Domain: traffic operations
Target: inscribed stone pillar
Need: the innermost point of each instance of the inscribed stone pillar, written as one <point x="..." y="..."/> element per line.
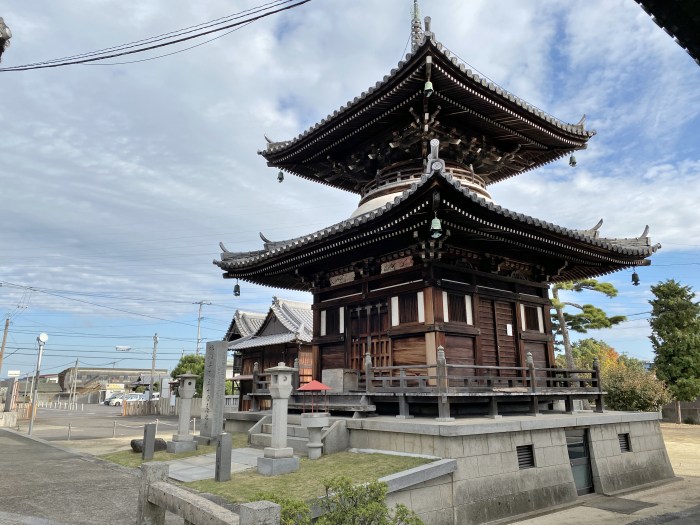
<point x="9" y="395"/>
<point x="213" y="392"/>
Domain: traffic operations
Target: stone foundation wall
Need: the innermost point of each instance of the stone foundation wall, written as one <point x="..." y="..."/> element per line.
<point x="614" y="470"/>
<point x="488" y="483"/>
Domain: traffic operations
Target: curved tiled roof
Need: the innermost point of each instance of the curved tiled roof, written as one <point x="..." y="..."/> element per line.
<point x="296" y="317"/>
<point x="491" y="220"/>
<point x="497" y="111"/>
<point x="247" y="323"/>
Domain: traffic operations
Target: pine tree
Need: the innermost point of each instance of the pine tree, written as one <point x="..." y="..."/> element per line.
<point x="589" y="317"/>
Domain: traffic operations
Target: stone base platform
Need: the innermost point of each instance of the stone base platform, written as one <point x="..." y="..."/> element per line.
<point x="175" y="447"/>
<point x="277" y="466"/>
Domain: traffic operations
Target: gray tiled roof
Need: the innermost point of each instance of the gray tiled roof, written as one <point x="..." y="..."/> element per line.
<point x="640" y="247"/>
<point x="246" y="323"/>
<point x="295" y="316"/>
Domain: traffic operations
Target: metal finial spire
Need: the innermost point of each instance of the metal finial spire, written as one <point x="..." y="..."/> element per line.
<point x="416" y="31"/>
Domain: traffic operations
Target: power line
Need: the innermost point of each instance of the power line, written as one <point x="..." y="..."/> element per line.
<point x="86" y="59"/>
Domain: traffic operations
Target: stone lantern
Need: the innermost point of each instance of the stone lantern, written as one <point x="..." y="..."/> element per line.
<point x="184" y="441"/>
<point x="279" y="458"/>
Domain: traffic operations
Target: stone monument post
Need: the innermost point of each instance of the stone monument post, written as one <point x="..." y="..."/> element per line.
<point x="183" y="440"/>
<point x="279" y="458"/>
<point x="213" y="393"/>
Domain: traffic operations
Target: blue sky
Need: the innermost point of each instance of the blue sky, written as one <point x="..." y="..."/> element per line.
<point x="119" y="181"/>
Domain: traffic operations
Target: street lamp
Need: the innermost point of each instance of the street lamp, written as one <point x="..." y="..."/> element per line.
<point x="41" y="339"/>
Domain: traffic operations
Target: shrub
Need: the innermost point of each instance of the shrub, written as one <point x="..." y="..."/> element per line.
<point x="632" y="389"/>
<point x="294" y="512"/>
<point x="348" y="504"/>
<point x="690" y="420"/>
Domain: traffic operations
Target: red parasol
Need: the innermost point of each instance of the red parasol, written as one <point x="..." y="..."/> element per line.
<point x="315" y="386"/>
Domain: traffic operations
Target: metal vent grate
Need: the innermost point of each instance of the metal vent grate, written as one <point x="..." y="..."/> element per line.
<point x="624" y="442"/>
<point x="526" y="457"/>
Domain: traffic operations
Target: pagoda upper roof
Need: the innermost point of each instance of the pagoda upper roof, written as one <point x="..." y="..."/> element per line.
<point x="564" y="254"/>
<point x="480" y="124"/>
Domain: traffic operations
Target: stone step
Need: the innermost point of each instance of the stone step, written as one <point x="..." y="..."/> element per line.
<point x="292" y="430"/>
<point x="298" y="444"/>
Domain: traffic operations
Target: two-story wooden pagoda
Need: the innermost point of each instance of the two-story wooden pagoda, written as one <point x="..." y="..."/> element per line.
<point x="428" y="260"/>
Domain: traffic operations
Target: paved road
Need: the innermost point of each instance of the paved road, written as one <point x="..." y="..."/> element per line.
<point x="94" y="422"/>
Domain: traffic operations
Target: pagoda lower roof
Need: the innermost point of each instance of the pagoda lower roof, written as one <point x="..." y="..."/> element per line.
<point x="472" y="224"/>
<point x="483" y="124"/>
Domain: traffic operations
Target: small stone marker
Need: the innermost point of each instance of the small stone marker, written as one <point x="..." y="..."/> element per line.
<point x="260" y="513"/>
<point x="149" y="439"/>
<point x="222" y="471"/>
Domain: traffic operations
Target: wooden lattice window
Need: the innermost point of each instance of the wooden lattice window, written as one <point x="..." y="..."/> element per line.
<point x="526" y="456"/>
<point x="332" y="321"/>
<point x="624" y="442"/>
<point x="532" y="317"/>
<point x="407" y="308"/>
<point x="457" y="308"/>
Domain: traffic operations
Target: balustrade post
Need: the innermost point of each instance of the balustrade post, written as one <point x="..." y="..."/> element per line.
<point x="369" y="374"/>
<point x="442" y="386"/>
<point x="599" y="405"/>
<point x="296" y="380"/>
<point x="254" y="403"/>
<point x="534" y="402"/>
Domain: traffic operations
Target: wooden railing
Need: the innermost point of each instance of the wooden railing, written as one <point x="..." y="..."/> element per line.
<point x="443" y="378"/>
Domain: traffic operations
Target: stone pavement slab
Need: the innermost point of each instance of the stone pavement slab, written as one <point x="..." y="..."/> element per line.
<point x="196" y="468"/>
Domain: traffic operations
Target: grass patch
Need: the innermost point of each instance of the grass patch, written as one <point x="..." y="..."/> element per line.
<point x="307" y="483"/>
<point x="129" y="458"/>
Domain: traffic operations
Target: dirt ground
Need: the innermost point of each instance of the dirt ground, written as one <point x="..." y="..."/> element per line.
<point x="683" y="446"/>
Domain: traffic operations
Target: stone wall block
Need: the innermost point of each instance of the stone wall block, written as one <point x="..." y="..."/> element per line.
<point x="466" y="467"/>
<point x="475" y="445"/>
<point x="427" y="445"/>
<point x="528" y="438"/>
<point x="489" y="465"/>
<point x="359" y="439"/>
<point x="500" y="443"/>
<point x="412" y="443"/>
<point x="509" y="461"/>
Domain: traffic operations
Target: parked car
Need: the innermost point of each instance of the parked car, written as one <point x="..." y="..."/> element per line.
<point x="108" y="401"/>
<point x="116" y="400"/>
<point x="134" y="396"/>
<point x="126" y="398"/>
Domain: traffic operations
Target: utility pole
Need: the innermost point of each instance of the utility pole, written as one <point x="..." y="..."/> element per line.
<point x="4" y="340"/>
<point x="199" y="320"/>
<point x="153" y="366"/>
<point x="41" y="340"/>
<point x="71" y="399"/>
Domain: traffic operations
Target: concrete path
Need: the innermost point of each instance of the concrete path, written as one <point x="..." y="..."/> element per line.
<point x="43" y="484"/>
<point x="196" y="468"/>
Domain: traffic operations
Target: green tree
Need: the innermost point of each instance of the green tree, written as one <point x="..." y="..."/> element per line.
<point x="675" y="325"/>
<point x="193" y="364"/>
<point x="589" y="317"/>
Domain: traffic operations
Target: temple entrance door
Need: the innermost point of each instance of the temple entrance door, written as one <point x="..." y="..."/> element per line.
<point x="368" y="332"/>
<point x="580" y="460"/>
<point x="496" y="322"/>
